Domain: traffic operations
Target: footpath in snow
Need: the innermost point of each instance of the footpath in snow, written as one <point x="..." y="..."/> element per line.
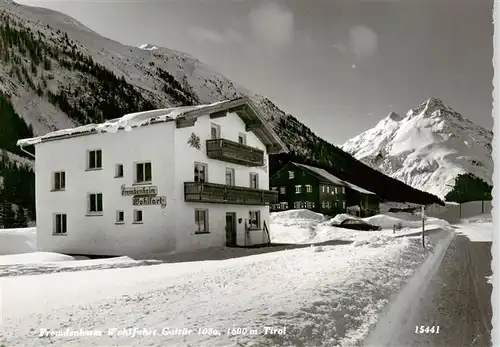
<point x="312" y="296"/>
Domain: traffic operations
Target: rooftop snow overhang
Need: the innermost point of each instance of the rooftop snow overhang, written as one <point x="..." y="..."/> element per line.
<point x="183" y="116"/>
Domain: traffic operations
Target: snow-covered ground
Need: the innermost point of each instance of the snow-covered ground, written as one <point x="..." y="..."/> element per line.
<point x="477" y="229"/>
<point x="322" y="295"/>
<point x="304" y="226"/>
<point x="46" y="262"/>
<point x="14" y="241"/>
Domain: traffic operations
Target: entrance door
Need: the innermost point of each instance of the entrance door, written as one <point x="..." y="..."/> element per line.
<point x="230" y="229"/>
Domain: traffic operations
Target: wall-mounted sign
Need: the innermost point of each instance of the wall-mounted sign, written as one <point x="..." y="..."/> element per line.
<point x="150" y="200"/>
<point x="144" y="190"/>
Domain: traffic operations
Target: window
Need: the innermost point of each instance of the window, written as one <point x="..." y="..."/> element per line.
<point x="298" y="189"/>
<point x="313" y="204"/>
<point x="328" y="205"/>
<point x="242" y="139"/>
<point x="342" y="190"/>
<point x="137" y="216"/>
<point x="296" y="204"/>
<point x="282" y="190"/>
<point x="120" y="216"/>
<point x="291" y="174"/>
<point x="60" y="224"/>
<point x="201" y="220"/>
<point x="254" y="220"/>
<point x="328" y="189"/>
<point x="308" y="204"/>
<point x="323" y="204"/>
<point x="229" y="177"/>
<point x="200" y="172"/>
<point x="118" y="170"/>
<point x="274" y="189"/>
<point x="254" y="181"/>
<point x="95" y="203"/>
<point x="94" y="159"/>
<point x="215" y="131"/>
<point x="343" y="204"/>
<point x="284" y="205"/>
<point x="143" y="172"/>
<point x="59" y="181"/>
<point x="309" y="188"/>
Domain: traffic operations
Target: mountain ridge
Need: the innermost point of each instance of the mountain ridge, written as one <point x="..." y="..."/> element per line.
<point x="433" y="148"/>
<point x="55" y="73"/>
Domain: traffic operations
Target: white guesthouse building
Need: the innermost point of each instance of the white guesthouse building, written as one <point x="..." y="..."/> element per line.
<point x="171" y="180"/>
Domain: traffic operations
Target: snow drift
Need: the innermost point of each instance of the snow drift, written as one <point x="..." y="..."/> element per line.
<point x="306" y="227"/>
<point x="13" y="241"/>
<point x="324" y="296"/>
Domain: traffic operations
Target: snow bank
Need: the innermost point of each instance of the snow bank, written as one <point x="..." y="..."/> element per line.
<point x="340" y="218"/>
<point x="409" y="221"/>
<point x="403" y="305"/>
<point x="296" y="216"/>
<point x="310" y="227"/>
<point x="476" y="232"/>
<point x="323" y="296"/>
<point x="14" y="241"/>
<point x="35" y="257"/>
<point x="47" y="262"/>
<point x="483" y="218"/>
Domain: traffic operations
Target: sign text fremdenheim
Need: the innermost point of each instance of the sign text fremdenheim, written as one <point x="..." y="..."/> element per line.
<point x="144" y="190"/>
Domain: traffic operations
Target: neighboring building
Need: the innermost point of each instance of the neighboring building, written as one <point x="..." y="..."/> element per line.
<point x="302" y="186"/>
<point x="170" y="180"/>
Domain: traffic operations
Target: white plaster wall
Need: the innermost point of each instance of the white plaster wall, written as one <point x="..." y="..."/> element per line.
<point x="231" y="126"/>
<point x="99" y="234"/>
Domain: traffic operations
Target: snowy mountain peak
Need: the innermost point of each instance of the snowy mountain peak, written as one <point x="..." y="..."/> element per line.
<point x="428" y="149"/>
<point x="434" y="102"/>
<point x="428" y="107"/>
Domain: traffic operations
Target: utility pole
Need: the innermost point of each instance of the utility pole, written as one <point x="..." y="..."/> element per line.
<point x="423" y="226"/>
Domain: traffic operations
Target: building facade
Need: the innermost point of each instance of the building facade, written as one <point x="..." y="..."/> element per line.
<point x="162" y="181"/>
<point x="306" y="187"/>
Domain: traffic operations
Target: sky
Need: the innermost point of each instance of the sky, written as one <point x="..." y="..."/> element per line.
<point x="339" y="66"/>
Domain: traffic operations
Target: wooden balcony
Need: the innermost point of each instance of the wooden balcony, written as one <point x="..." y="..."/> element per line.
<point x="222" y="194"/>
<point x="234" y="152"/>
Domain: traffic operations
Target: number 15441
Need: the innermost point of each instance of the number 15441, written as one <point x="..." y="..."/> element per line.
<point x="426" y="329"/>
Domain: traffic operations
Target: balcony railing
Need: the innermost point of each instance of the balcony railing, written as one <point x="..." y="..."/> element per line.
<point x="234" y="152"/>
<point x="223" y="194"/>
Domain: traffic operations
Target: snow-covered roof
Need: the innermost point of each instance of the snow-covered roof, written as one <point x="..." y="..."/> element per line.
<point x="241" y="106"/>
<point x="331" y="178"/>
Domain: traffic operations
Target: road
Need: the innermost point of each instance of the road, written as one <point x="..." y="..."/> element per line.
<point x="456" y="297"/>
